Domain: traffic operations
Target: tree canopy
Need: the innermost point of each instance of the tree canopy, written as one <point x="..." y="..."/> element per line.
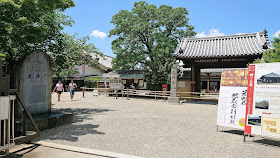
<point x="146" y="37"/>
<point x="271" y="55"/>
<point x="27" y="25"/>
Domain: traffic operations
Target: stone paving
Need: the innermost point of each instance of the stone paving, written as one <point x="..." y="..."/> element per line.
<point x="149" y="128"/>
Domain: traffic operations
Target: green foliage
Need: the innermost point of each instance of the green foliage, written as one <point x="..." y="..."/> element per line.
<point x="74" y="51"/>
<point x="154" y="87"/>
<point x="27" y="25"/>
<point x="146" y="37"/>
<point x="271" y="55"/>
<point x="91" y="82"/>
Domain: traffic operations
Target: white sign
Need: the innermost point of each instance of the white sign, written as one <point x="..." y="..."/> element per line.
<point x="232" y="98"/>
<point x="116" y="83"/>
<point x="263" y="106"/>
<point x="95" y="92"/>
<point x="181" y="84"/>
<point x="135" y="80"/>
<point x="4" y="107"/>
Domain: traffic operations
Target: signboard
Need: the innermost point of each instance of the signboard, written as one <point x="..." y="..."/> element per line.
<point x="4" y="107"/>
<point x="116" y="83"/>
<point x="95" y="92"/>
<point x="263" y="108"/>
<point x="232" y="98"/>
<point x="181" y="84"/>
<point x="270" y="124"/>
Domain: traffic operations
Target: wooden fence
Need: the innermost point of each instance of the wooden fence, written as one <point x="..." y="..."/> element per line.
<point x="154" y="94"/>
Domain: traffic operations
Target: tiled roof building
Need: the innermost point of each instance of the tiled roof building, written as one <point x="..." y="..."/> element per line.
<point x="223" y="46"/>
<point x="234" y="51"/>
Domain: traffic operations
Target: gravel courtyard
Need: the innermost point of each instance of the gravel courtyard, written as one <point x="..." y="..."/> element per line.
<point x="149" y="128"/>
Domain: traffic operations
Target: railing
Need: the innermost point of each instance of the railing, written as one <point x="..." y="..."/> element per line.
<point x="154" y="94"/>
<point x="198" y="95"/>
<point x="7" y="136"/>
<point x="129" y="92"/>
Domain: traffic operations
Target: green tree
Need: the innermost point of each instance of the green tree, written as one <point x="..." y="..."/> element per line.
<point x="27" y="25"/>
<point x="271" y="55"/>
<point x="72" y="51"/>
<point x="146" y="37"/>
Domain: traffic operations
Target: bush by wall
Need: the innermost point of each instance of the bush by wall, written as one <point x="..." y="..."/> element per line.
<point x="91" y="82"/>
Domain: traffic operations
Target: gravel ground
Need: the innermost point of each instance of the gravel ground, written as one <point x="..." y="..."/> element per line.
<point x="149" y="128"/>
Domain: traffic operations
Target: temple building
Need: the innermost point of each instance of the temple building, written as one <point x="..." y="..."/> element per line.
<point x="234" y="51"/>
<point x="270" y="78"/>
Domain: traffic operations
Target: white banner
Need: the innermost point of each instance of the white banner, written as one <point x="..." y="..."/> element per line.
<point x="231" y="107"/>
<point x="232" y="98"/>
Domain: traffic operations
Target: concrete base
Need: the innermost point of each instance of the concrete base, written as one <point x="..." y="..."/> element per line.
<point x="51" y="120"/>
<point x="173" y="100"/>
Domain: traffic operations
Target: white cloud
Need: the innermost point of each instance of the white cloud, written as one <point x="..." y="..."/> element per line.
<point x="200" y="35"/>
<point x="98" y="34"/>
<point x="212" y="32"/>
<point x="277" y="34"/>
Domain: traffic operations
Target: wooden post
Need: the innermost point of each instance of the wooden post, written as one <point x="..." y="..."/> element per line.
<point x="13" y="121"/>
<point x="127" y="94"/>
<point x="196" y="76"/>
<point x="23" y="115"/>
<point x="208" y="82"/>
<point x="1" y="133"/>
<point x="83" y="92"/>
<point x="155" y="95"/>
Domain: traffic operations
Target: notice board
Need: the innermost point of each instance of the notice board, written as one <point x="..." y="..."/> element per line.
<point x="263" y="100"/>
<point x="232" y="98"/>
<point x="4" y="107"/>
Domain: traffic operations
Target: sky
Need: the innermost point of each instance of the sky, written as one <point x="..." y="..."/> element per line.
<point x="209" y="17"/>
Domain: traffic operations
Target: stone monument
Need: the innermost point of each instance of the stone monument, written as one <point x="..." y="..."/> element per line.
<point x="173" y="87"/>
<point x="35" y="82"/>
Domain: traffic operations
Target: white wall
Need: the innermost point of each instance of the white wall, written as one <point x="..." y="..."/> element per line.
<point x="89" y="71"/>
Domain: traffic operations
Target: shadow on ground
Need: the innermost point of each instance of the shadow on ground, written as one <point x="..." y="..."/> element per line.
<point x="201" y="102"/>
<point x="81" y="114"/>
<point x="268" y="142"/>
<point x="238" y="132"/>
<point x="72" y="132"/>
<point x="18" y="154"/>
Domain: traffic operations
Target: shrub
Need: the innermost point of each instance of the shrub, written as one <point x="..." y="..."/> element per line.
<point x="91" y="82"/>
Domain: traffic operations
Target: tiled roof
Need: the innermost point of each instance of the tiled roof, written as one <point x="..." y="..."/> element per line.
<point x="104" y="60"/>
<point x="222" y="46"/>
<point x="272" y="75"/>
<point x="214" y="70"/>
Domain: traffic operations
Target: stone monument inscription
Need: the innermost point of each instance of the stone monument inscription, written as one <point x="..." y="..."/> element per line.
<point x="36" y="82"/>
<point x="173" y="89"/>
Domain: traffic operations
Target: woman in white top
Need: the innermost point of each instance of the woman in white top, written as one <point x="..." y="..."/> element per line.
<point x="59" y="88"/>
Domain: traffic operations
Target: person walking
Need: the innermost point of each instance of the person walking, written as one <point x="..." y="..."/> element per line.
<point x="71" y="89"/>
<point x="59" y="89"/>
